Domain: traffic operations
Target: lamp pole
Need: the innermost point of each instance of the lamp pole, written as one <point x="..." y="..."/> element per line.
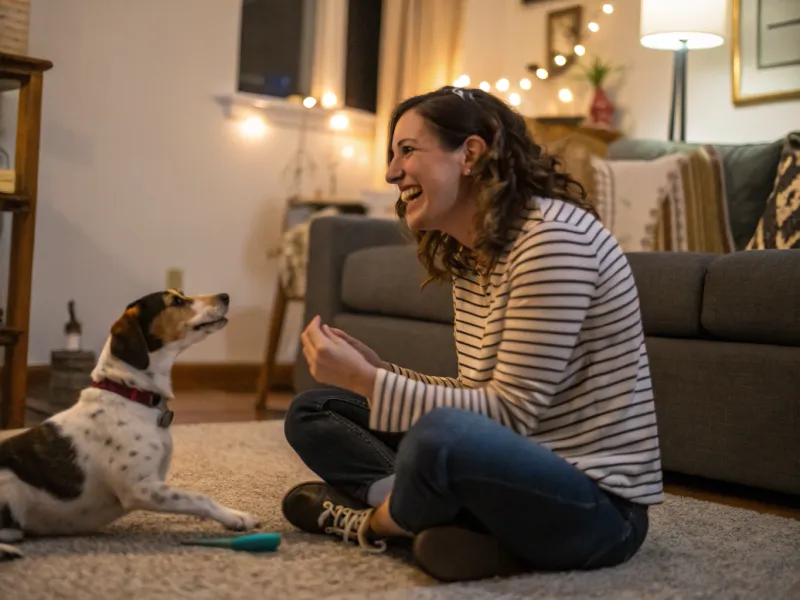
<point x="679" y="81"/>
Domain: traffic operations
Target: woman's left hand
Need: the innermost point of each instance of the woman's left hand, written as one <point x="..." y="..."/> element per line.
<point x="333" y="361"/>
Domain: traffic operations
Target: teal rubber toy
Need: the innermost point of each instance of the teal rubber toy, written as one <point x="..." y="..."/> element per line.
<point x="255" y="542"/>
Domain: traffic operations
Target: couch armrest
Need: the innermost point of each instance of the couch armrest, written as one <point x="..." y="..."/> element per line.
<point x="330" y="241"/>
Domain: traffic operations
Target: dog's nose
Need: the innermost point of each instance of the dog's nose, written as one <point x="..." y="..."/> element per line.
<point x="225" y="299"/>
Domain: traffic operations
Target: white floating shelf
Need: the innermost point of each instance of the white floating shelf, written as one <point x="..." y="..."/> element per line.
<point x="281" y="112"/>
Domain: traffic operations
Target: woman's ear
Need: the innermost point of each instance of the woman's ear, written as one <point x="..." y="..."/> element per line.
<point x="474" y="147"/>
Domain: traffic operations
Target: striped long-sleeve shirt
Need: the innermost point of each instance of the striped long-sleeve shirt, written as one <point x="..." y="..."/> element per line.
<point x="551" y="345"/>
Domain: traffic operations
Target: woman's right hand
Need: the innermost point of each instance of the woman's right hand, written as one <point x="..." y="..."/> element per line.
<point x="368" y="353"/>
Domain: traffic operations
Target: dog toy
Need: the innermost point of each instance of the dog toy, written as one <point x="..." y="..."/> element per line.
<point x="256" y="542"/>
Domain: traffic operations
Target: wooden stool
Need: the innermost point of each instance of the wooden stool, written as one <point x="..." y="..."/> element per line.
<point x="266" y="375"/>
<point x="70" y="374"/>
<point x="281" y="300"/>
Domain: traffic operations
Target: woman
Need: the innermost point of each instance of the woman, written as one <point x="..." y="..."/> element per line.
<point x="544" y="453"/>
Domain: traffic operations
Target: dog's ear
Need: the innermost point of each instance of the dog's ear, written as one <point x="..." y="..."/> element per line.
<point x="127" y="340"/>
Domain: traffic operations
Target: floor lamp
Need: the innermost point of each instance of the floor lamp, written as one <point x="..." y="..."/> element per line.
<point x="680" y="26"/>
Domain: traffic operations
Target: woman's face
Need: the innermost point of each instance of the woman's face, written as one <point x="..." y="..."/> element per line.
<point x="428" y="175"/>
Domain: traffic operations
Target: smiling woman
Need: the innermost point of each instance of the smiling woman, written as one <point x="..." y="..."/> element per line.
<point x="459" y="142"/>
<point x="544" y="452"/>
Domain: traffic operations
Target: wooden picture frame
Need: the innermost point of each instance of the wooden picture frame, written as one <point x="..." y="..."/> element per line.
<point x="765" y="68"/>
<point x="563" y="34"/>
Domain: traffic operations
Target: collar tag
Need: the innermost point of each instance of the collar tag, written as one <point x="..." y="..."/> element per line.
<point x="165" y="419"/>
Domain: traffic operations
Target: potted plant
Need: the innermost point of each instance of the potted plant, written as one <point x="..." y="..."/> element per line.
<point x="602" y="110"/>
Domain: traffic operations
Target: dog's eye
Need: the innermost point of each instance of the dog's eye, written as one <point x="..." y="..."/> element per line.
<point x="178" y="301"/>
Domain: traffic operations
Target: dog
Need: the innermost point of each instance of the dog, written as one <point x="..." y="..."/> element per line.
<point x="109" y="453"/>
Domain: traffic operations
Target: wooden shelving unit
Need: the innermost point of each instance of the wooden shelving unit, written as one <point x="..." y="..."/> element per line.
<point x="547" y="130"/>
<point x="28" y="74"/>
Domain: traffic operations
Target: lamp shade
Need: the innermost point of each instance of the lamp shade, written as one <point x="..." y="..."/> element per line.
<point x="665" y="24"/>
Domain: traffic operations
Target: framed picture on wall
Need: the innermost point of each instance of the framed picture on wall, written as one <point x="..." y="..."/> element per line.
<point x="563" y="34"/>
<point x="766" y="51"/>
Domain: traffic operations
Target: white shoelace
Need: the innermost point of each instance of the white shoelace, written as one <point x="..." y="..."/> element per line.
<point x="349" y="521"/>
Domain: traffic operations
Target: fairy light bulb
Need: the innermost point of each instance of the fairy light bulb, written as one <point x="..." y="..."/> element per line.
<point x="541" y="73"/>
<point x="525" y="83"/>
<point x="565" y="95"/>
<point x="339" y="122"/>
<point x="309" y="102"/>
<point x="594" y="27"/>
<point x="514" y="99"/>
<point x="253" y="127"/>
<point x="329" y="100"/>
<point x="502" y="85"/>
<point x="560" y="60"/>
<point x="462" y="81"/>
<point x="485" y="86"/>
<point x="579" y="50"/>
<point x="608" y="9"/>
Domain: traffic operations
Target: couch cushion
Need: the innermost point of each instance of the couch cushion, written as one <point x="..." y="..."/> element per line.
<point x="670" y="286"/>
<point x="749" y="175"/>
<point x="728" y="410"/>
<point x="386" y="281"/>
<point x="754" y="296"/>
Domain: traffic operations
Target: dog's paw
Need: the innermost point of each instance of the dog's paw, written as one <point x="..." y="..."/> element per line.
<point x="240" y="521"/>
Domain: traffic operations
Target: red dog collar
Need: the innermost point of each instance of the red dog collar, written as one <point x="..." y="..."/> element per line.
<point x="150" y="399"/>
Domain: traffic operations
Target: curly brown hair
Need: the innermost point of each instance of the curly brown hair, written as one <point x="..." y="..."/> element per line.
<point x="512" y="170"/>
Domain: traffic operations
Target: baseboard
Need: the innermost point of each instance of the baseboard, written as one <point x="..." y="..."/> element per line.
<point x="38" y="375"/>
<point x="227" y="377"/>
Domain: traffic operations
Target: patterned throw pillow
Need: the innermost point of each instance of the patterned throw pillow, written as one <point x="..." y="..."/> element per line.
<point x="779" y="226"/>
<point x="673" y="203"/>
<point x="293" y="255"/>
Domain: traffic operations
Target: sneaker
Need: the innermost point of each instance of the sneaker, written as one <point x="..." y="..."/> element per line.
<point x="9" y="553"/>
<point x="315" y="507"/>
<point x="451" y="553"/>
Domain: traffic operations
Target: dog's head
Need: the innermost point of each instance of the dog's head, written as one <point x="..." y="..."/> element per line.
<point x="165" y="321"/>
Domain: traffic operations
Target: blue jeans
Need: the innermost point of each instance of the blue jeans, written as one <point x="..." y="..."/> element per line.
<point x="454" y="467"/>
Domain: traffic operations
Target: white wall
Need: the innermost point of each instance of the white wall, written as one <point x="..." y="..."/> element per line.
<point x="502" y="36"/>
<point x="141" y="172"/>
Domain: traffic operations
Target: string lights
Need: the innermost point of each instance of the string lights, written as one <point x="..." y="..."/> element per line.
<point x="329" y="100"/>
<point x="255" y="126"/>
<point x="514" y="94"/>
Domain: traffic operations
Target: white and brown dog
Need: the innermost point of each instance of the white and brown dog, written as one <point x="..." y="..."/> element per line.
<point x="109" y="454"/>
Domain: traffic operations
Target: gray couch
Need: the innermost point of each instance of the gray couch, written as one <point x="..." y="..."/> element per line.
<point x="722" y="331"/>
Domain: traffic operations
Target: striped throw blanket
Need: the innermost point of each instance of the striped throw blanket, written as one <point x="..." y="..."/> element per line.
<point x="674" y="203"/>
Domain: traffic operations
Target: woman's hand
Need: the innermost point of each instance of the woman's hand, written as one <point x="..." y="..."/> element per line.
<point x="368" y="353"/>
<point x="333" y="361"/>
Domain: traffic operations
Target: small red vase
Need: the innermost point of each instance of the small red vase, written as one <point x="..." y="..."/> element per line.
<point x="602" y="111"/>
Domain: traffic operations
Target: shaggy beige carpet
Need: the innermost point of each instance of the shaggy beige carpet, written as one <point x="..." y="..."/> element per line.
<point x="695" y="549"/>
